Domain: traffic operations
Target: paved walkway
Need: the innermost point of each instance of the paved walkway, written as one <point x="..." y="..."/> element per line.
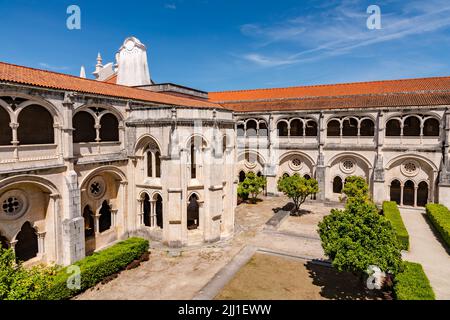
<point x="426" y="249"/>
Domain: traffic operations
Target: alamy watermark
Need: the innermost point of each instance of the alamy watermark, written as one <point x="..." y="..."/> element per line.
<point x="374" y="20"/>
<point x="73" y="22"/>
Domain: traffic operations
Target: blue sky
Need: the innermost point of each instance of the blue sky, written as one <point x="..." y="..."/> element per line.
<point x="236" y="44"/>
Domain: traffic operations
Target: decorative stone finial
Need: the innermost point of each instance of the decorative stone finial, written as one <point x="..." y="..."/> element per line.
<point x="132" y="64"/>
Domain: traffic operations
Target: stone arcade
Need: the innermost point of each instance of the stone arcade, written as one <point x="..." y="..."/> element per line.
<point x="84" y="163"/>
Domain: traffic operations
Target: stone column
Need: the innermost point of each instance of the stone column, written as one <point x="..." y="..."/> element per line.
<point x="97" y="223"/>
<point x="378" y="191"/>
<point x="14" y="126"/>
<point x="152" y="213"/>
<point x="141" y="212"/>
<point x="114" y="217"/>
<point x="321" y="168"/>
<point x="401" y="194"/>
<point x="56" y="225"/>
<point x="41" y="244"/>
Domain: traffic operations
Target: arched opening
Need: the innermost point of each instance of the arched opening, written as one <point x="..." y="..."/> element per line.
<point x="84" y="127"/>
<point x="241" y="176"/>
<point x="89" y="227"/>
<point x="158" y="164"/>
<point x="26" y="247"/>
<point x="282" y="128"/>
<point x="159" y="211"/>
<point x="286" y="175"/>
<point x="193" y="213"/>
<point x="337" y="185"/>
<point x="431" y="128"/>
<point x="109" y="130"/>
<point x="307" y="177"/>
<point x="105" y="217"/>
<point x="240" y="130"/>
<point x="367" y="128"/>
<point x="333" y="128"/>
<point x="393" y="128"/>
<point x="422" y="194"/>
<point x="35" y="126"/>
<point x="146" y="204"/>
<point x="411" y="127"/>
<point x="263" y="131"/>
<point x="350" y="127"/>
<point x="296" y="128"/>
<point x="395" y="191"/>
<point x="5" y="129"/>
<point x="252" y="128"/>
<point x="193" y="162"/>
<point x="311" y="129"/>
<point x="149" y="164"/>
<point x="408" y="193"/>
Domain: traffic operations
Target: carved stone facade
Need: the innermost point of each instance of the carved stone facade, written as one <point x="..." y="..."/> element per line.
<point x="84" y="163"/>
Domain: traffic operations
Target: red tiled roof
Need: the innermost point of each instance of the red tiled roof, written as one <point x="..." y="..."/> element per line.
<point x="347" y="102"/>
<point x="47" y="79"/>
<point x="334" y="90"/>
<point x="402" y="93"/>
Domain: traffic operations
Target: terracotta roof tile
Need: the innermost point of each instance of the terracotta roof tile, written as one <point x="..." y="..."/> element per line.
<point x="53" y="80"/>
<point x="347" y="102"/>
<point x="333" y="90"/>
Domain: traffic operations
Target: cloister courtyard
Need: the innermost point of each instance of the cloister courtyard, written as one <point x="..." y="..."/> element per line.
<point x="266" y="240"/>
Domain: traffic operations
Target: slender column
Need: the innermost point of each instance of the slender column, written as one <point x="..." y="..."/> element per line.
<point x="141" y="212"/>
<point x="97" y="136"/>
<point x="41" y="243"/>
<point x="416" y="187"/>
<point x="153" y="173"/>
<point x="401" y="194"/>
<point x="97" y="223"/>
<point x="14" y="126"/>
<point x="114" y="217"/>
<point x="54" y="197"/>
<point x="152" y="213"/>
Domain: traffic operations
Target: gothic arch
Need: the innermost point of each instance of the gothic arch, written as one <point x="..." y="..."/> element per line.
<point x="303" y="155"/>
<point x="350" y="155"/>
<point x="413" y="157"/>
<point x="142" y="143"/>
<point x="41" y="182"/>
<point x="108" y="169"/>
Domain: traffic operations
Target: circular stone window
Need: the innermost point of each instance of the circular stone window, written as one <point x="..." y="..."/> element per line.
<point x="13" y="204"/>
<point x="295" y="164"/>
<point x="410" y="168"/>
<point x="97" y="187"/>
<point x="348" y="166"/>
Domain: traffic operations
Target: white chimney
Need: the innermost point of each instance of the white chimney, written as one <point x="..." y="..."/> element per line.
<point x="132" y="64"/>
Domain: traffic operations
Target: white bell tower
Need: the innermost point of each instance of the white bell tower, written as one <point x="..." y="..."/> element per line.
<point x="132" y="64"/>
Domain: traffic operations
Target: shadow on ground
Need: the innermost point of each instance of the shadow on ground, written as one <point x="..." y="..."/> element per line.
<point x="341" y="285"/>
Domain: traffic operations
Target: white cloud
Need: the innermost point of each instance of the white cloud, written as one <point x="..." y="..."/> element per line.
<point x="51" y="67"/>
<point x="171" y="6"/>
<point x="341" y="28"/>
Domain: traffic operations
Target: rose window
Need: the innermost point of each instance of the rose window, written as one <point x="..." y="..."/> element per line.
<point x="11" y="206"/>
<point x="97" y="187"/>
<point x="348" y="165"/>
<point x="410" y="167"/>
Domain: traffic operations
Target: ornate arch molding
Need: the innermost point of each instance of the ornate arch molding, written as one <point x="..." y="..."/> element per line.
<point x="187" y="142"/>
<point x="108" y="109"/>
<point x="104" y="169"/>
<point x="143" y="141"/>
<point x="241" y="155"/>
<point x="199" y="197"/>
<point x="30" y="100"/>
<point x="416" y="157"/>
<point x="401" y="117"/>
<point x="288" y="154"/>
<point x="350" y="155"/>
<point x="41" y="182"/>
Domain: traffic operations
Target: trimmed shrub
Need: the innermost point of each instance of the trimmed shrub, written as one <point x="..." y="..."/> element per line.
<point x="413" y="284"/>
<point x="439" y="216"/>
<point x="97" y="267"/>
<point x="391" y="212"/>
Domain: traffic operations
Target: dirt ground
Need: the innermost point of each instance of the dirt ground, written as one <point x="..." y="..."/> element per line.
<point x="270" y="277"/>
<point x="183" y="276"/>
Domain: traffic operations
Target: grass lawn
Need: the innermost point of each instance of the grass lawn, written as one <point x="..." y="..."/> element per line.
<point x="272" y="277"/>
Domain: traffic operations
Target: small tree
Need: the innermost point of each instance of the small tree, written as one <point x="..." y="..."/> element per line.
<point x="358" y="236"/>
<point x="356" y="189"/>
<point x="251" y="187"/>
<point x="298" y="189"/>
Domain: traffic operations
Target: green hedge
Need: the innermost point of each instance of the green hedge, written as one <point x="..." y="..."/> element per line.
<point x="439" y="216"/>
<point x="97" y="267"/>
<point x="391" y="212"/>
<point x="413" y="284"/>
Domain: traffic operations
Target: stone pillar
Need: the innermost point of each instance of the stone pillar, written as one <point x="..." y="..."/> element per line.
<point x="114" y="217"/>
<point x="14" y="126"/>
<point x="97" y="224"/>
<point x="141" y="212"/>
<point x="152" y="213"/>
<point x="41" y="244"/>
<point x="56" y="226"/>
<point x="378" y="189"/>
